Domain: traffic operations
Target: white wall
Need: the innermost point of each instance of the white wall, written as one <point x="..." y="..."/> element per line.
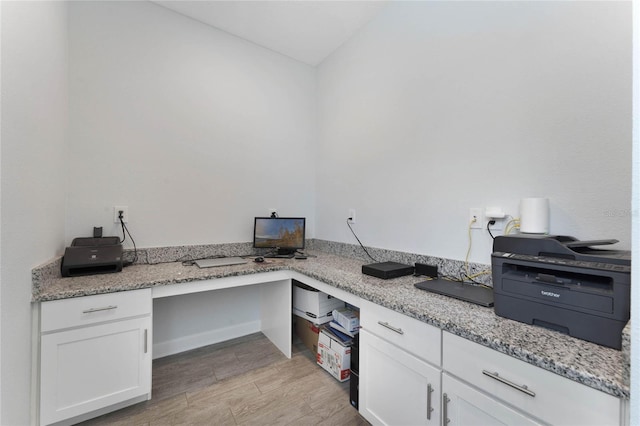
<point x="34" y="127"/>
<point x="436" y="107"/>
<point x="196" y="131"/>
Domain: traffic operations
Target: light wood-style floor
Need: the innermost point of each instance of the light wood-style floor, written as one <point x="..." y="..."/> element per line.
<point x="245" y="381"/>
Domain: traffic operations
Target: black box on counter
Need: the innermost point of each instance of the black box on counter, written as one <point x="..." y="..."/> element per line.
<point x="387" y="270"/>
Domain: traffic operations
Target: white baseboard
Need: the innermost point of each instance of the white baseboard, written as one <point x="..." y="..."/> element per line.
<point x="194" y="341"/>
<point x="101" y="411"/>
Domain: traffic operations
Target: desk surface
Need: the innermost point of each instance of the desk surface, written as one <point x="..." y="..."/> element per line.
<point x="602" y="368"/>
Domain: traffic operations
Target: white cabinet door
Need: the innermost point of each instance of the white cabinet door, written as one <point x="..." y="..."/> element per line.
<point x="463" y="405"/>
<point x="92" y="367"/>
<point x="396" y="388"/>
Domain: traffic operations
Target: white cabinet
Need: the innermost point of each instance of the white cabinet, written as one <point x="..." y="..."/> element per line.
<point x="414" y="374"/>
<point x="509" y="382"/>
<point x="396" y="388"/>
<point x="95" y="352"/>
<point x="397" y="384"/>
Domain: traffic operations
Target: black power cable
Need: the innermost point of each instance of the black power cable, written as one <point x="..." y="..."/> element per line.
<point x="361" y="245"/>
<point x="491" y="222"/>
<point x="124" y="237"/>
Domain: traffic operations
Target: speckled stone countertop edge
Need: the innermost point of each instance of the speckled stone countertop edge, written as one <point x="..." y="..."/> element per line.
<point x="343" y="279"/>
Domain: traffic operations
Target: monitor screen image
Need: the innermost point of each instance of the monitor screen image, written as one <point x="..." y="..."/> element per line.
<point x="283" y="233"/>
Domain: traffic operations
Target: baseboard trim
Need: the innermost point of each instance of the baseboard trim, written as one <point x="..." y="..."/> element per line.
<point x="194" y="341"/>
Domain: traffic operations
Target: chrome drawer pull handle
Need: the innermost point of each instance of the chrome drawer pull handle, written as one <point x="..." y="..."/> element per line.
<point x="106" y="308"/>
<point x="429" y="407"/>
<point x="445" y="407"/>
<point x="390" y="327"/>
<point x="146" y="340"/>
<point x="497" y="377"/>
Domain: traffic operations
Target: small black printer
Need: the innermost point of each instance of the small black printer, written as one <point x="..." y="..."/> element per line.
<point x="564" y="284"/>
<point x="90" y="256"/>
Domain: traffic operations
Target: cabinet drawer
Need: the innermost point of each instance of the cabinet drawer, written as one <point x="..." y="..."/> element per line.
<point x="80" y="311"/>
<point x="540" y="393"/>
<point x="416" y="337"/>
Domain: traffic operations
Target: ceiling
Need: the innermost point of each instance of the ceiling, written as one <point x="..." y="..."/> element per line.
<point x="307" y="31"/>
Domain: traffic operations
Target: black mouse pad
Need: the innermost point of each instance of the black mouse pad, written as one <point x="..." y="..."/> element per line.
<point x="469" y="293"/>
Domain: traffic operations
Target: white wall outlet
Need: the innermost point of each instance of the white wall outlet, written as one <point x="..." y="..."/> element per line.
<point x="475" y="218"/>
<point x="116" y="214"/>
<point x="351" y="215"/>
<point x="494" y="213"/>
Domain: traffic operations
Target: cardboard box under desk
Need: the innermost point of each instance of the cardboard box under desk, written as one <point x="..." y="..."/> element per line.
<point x="313" y="305"/>
<point x="308" y="332"/>
<point x="334" y="357"/>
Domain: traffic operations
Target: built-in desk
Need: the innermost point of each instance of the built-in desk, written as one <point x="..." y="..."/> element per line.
<point x="601" y="368"/>
<point x="275" y="301"/>
<point x="96" y="346"/>
<point x="274" y="305"/>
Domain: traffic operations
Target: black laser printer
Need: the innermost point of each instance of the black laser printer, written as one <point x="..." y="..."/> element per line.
<point x="564" y="284"/>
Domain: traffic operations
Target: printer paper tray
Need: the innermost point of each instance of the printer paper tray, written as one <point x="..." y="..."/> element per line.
<point x="559" y="295"/>
<point x="603" y="331"/>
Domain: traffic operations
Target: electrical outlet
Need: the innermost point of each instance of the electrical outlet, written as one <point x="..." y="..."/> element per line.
<point x="475" y="218"/>
<point x="352" y="215"/>
<point x="116" y="214"/>
<point x="494" y="213"/>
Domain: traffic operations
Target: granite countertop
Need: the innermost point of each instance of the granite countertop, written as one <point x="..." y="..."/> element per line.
<point x="593" y="365"/>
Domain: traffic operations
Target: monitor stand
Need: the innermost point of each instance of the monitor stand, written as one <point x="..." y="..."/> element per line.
<point x="282" y="253"/>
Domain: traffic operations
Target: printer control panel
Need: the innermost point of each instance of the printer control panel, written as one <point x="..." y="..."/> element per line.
<point x="565" y="262"/>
